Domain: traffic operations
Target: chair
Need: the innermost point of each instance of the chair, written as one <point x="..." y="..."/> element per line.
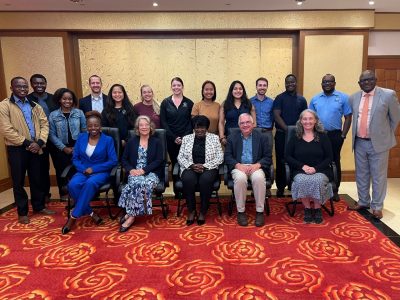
<point x="291" y="206"/>
<point x="164" y="182"/>
<point x="113" y="183"/>
<point x="228" y="180"/>
<point x="179" y="189"/>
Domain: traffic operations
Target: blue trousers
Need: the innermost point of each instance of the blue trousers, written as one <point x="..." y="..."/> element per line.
<point x="83" y="188"/>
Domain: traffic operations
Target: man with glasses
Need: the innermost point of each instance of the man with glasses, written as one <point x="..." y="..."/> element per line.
<point x="24" y="126"/>
<point x="376" y="115"/>
<point x="248" y="156"/>
<point x="331" y="106"/>
<point x="287" y="108"/>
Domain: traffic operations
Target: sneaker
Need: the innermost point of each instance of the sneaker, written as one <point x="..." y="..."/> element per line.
<point x="46" y="211"/>
<point x="308" y="218"/>
<point x="318" y="216"/>
<point x="260" y="220"/>
<point x="242" y="219"/>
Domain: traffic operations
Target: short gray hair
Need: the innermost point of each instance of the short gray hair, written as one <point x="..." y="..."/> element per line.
<point x="147" y="119"/>
<point x="245" y="114"/>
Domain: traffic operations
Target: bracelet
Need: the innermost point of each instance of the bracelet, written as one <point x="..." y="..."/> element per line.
<point x="224" y="137"/>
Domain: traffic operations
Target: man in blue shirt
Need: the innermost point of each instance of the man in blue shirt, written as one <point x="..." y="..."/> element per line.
<point x="287" y="108"/>
<point x="263" y="106"/>
<point x="331" y="106"/>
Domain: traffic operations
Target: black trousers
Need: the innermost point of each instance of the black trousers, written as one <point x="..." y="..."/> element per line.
<point x="60" y="160"/>
<point x="45" y="169"/>
<point x="22" y="161"/>
<point x="173" y="151"/>
<point x="280" y="159"/>
<point x="335" y="136"/>
<point x="204" y="182"/>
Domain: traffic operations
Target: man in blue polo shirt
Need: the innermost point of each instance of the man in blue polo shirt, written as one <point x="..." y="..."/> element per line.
<point x="331" y="106"/>
<point x="287" y="108"/>
<point x="263" y="106"/>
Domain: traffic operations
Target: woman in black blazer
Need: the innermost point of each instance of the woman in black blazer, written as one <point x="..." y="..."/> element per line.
<point x="143" y="161"/>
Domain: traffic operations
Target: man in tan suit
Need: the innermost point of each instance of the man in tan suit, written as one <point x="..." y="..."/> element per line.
<point x="376" y="114"/>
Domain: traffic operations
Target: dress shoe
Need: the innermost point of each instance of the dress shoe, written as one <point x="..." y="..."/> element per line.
<point x="23" y="220"/>
<point x="68" y="226"/>
<point x="123" y="228"/>
<point x="96" y="218"/>
<point x="46" y="211"/>
<point x="190" y="218"/>
<point x="242" y="219"/>
<point x="280" y="193"/>
<point x="201" y="219"/>
<point x="308" y="217"/>
<point x="318" y="216"/>
<point x="377" y="214"/>
<point x="260" y="219"/>
<point x="357" y="207"/>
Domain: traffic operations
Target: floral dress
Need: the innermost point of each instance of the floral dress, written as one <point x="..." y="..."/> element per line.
<point x="136" y="195"/>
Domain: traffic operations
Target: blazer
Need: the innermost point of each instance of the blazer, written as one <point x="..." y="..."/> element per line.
<point x="155" y="157"/>
<point x="214" y="154"/>
<point x="385" y="116"/>
<point x="85" y="103"/>
<point x="261" y="150"/>
<point x="103" y="158"/>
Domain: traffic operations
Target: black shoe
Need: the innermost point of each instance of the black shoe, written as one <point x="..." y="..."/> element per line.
<point x="68" y="226"/>
<point x="190" y="218"/>
<point x="122" y="228"/>
<point x="318" y="216"/>
<point x="260" y="219"/>
<point x="122" y="219"/>
<point x="242" y="219"/>
<point x="308" y="217"/>
<point x="96" y="219"/>
<point x="336" y="197"/>
<point x="280" y="193"/>
<point x="201" y="219"/>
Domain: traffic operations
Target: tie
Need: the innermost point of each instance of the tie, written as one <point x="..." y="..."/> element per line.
<point x="364" y="117"/>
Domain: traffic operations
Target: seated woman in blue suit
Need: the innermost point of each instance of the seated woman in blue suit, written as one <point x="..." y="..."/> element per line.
<point x="94" y="157"/>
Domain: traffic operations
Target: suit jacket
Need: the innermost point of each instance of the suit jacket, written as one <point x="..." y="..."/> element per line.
<point x="214" y="154"/>
<point x="385" y="116"/>
<point x="155" y="157"/>
<point x="103" y="158"/>
<point x="85" y="104"/>
<point x="261" y="150"/>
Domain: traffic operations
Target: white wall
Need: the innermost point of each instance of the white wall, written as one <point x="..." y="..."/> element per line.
<point x="384" y="43"/>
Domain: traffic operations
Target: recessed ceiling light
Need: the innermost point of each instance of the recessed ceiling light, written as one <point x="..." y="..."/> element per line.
<point x="155" y="4"/>
<point x="300" y="2"/>
<point x="371" y="2"/>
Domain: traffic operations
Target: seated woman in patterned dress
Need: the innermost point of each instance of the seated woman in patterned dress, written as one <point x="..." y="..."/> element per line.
<point x="143" y="161"/>
<point x="309" y="155"/>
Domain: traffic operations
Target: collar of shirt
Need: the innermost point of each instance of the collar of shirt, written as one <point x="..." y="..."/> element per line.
<point x="256" y="98"/>
<point x="100" y="97"/>
<point x="244" y="138"/>
<point x="16" y="99"/>
<point x="371" y="93"/>
<point x="334" y="93"/>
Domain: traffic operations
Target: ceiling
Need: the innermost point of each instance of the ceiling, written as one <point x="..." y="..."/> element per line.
<point x="194" y="5"/>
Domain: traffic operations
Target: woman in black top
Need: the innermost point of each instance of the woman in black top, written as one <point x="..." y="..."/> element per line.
<point x="119" y="112"/>
<point x="175" y="114"/>
<point x="309" y="154"/>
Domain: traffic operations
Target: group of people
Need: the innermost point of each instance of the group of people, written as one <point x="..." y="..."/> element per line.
<point x="39" y="124"/>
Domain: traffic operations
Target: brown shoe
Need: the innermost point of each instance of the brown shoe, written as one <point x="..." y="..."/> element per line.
<point x="377" y="214"/>
<point x="23" y="220"/>
<point x="46" y="211"/>
<point x="357" y="207"/>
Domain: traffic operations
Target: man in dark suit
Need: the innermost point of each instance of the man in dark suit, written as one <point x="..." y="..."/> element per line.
<point x="96" y="100"/>
<point x="376" y="114"/>
<point x="248" y="155"/>
<point x="45" y="100"/>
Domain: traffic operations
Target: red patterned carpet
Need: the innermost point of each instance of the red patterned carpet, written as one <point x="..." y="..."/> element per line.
<point x="344" y="258"/>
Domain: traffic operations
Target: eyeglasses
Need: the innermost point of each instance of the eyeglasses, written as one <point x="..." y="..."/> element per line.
<point x="371" y="79"/>
<point x="328" y="81"/>
<point x="21" y="87"/>
<point x="245" y="123"/>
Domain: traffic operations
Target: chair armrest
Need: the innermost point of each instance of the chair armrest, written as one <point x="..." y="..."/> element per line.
<point x="221" y="170"/>
<point x="166" y="174"/>
<point x="271" y="173"/>
<point x="176" y="170"/>
<point x="68" y="172"/>
<point x="287" y="171"/>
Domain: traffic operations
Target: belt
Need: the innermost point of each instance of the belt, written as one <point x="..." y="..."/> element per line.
<point x="365" y="139"/>
<point x="266" y="129"/>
